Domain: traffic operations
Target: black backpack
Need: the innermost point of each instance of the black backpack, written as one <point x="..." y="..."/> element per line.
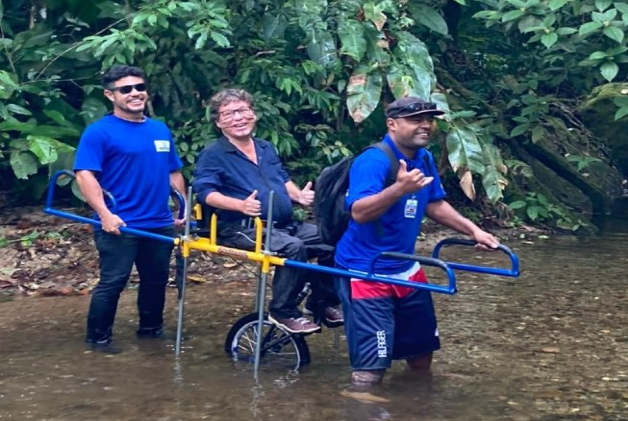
<point x="331" y="189"/>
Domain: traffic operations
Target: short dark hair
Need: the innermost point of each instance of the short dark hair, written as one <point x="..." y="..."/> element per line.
<point x="226" y="96"/>
<point x="119" y="71"/>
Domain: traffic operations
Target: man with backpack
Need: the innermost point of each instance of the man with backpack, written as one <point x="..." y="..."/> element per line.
<point x="235" y="176"/>
<point x="385" y="322"/>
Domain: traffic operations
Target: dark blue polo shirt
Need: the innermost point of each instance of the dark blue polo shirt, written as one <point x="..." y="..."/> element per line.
<point x="222" y="168"/>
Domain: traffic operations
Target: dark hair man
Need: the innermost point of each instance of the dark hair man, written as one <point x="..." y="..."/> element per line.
<point x="134" y="158"/>
<point x="236" y="175"/>
<point x="385" y="322"/>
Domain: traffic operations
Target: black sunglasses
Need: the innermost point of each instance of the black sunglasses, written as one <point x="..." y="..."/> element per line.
<point x="127" y="89"/>
<point x="411" y="109"/>
<point x="418" y="106"/>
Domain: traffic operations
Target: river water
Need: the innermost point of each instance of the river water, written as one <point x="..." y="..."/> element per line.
<point x="549" y="345"/>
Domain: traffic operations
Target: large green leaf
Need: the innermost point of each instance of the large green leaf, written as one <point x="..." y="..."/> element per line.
<point x="589" y="27"/>
<point x="363" y="92"/>
<point x="273" y="26"/>
<point x="622" y="7"/>
<point x="465" y="150"/>
<point x="549" y="39"/>
<point x="18" y="109"/>
<point x="43" y="149"/>
<point x="400" y="84"/>
<point x="557" y="4"/>
<point x="23" y="164"/>
<point x="92" y="110"/>
<point x="602" y="5"/>
<point x="614" y="33"/>
<point x="220" y="39"/>
<point x="373" y="12"/>
<point x="322" y="50"/>
<point x="512" y="15"/>
<point x="609" y="70"/>
<point x="377" y="46"/>
<point x="429" y="17"/>
<point x="352" y="39"/>
<point x="493" y="179"/>
<point x="60" y="119"/>
<point x="7" y="84"/>
<point x="441" y="101"/>
<point x="415" y="60"/>
<point x="32" y="128"/>
<point x="622" y="112"/>
<point x="47" y="149"/>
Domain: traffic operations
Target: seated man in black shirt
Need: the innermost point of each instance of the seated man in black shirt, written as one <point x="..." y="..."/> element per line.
<point x="235" y="175"/>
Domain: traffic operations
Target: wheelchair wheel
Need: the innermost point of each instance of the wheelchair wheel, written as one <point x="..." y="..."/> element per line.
<point x="279" y="348"/>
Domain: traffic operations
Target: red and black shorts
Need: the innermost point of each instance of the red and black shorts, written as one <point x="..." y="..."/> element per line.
<point x="385" y="322"/>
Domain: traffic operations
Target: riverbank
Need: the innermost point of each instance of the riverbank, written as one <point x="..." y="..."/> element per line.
<point x="41" y="255"/>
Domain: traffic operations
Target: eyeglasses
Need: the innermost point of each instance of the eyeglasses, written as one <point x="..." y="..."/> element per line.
<point x="127" y="89"/>
<point x="230" y="114"/>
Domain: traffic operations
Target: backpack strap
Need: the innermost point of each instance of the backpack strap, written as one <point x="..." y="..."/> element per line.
<point x="392" y="174"/>
<point x="428" y="163"/>
<point x="394" y="162"/>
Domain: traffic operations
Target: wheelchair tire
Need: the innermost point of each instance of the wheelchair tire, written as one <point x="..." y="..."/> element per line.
<point x="280" y="348"/>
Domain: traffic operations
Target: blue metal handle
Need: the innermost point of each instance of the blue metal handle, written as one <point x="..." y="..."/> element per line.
<point x="450" y="289"/>
<point x="179" y="197"/>
<point x="427" y="261"/>
<point x="53" y="184"/>
<point x="49" y="210"/>
<point x="514" y="259"/>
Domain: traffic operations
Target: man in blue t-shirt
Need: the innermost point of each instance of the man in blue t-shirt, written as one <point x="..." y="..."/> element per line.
<point x="235" y="176"/>
<point x="385" y="322"/>
<point x="134" y="158"/>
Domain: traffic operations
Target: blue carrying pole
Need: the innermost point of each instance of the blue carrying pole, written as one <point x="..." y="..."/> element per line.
<point x="96" y="223"/>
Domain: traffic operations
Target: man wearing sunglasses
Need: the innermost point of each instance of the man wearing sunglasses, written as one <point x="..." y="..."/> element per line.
<point x="134" y="158"/>
<point x="235" y="175"/>
<point x="385" y="322"/>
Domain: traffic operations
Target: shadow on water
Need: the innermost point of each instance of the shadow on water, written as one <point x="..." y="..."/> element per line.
<point x="550" y="345"/>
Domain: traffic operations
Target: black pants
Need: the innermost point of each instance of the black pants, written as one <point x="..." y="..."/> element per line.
<point x="117" y="254"/>
<point x="300" y="242"/>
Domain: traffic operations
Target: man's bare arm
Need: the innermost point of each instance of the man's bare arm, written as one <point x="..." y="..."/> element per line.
<point x="444" y="214"/>
<point x="178" y="183"/>
<point x="93" y="193"/>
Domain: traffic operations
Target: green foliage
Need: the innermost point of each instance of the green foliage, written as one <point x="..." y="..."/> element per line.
<point x="538" y="209"/>
<point x="321" y="72"/>
<point x="582" y="162"/>
<point x="577" y="36"/>
<point x="622" y="105"/>
<point x="317" y="69"/>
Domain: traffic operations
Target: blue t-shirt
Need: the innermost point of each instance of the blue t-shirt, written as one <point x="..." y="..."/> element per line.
<point x="394" y="230"/>
<point x="133" y="162"/>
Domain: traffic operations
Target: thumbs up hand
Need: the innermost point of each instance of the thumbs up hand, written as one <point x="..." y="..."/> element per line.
<point x="251" y="206"/>
<point x="306" y="197"/>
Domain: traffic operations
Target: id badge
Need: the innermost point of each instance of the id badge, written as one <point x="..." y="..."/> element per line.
<point x="410" y="209"/>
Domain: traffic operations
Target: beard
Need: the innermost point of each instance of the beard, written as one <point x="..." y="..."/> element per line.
<point x="132" y="110"/>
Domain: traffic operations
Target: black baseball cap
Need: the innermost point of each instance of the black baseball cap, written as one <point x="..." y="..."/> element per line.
<point x="411" y="105"/>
